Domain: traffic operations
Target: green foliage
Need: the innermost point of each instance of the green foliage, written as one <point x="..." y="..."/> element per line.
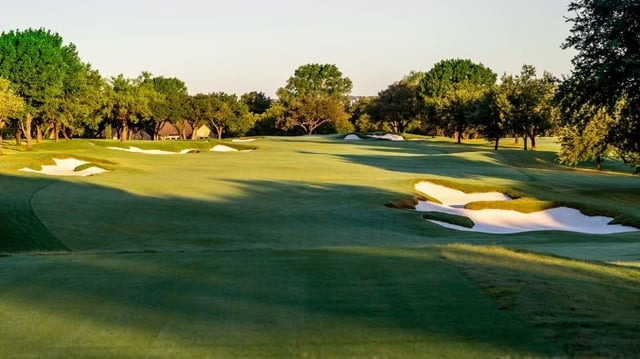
<point x="587" y="141"/>
<point x="257" y="102"/>
<point x="491" y="115"/>
<point x="398" y="106"/>
<point x="10" y="103"/>
<point x="606" y="69"/>
<point x="316" y="80"/>
<point x="454" y="219"/>
<point x="310" y="112"/>
<point x="529" y="103"/>
<point x="224" y="113"/>
<point x="34" y="62"/>
<point x="445" y="74"/>
<point x="450" y="92"/>
<point x="131" y="101"/>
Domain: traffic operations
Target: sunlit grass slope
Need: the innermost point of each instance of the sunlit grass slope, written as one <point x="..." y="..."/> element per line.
<point x="290" y="251"/>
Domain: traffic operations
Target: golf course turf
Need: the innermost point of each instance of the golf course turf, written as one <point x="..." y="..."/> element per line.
<point x="289" y="251"/>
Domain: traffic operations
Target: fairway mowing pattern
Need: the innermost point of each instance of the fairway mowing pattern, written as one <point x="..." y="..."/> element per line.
<point x="20" y="229"/>
<point x="337" y="302"/>
<point x="289" y="251"/>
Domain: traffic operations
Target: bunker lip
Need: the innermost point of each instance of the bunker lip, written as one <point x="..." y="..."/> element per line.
<point x="66" y="167"/>
<point x="150" y="152"/>
<point x="498" y="221"/>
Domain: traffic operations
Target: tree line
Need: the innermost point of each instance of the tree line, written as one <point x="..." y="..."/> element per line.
<point x="47" y="91"/>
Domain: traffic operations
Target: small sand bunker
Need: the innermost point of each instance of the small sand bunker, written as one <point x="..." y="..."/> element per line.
<point x="223" y="148"/>
<point x="388" y="136"/>
<point x="352" y="137"/>
<point x="500" y="221"/>
<point x="151" y="152"/>
<point x="243" y="140"/>
<point x="66" y="167"/>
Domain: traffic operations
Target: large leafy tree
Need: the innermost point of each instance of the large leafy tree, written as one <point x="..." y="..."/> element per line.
<point x="606" y="72"/>
<point x="491" y="115"/>
<point x="457" y="107"/>
<point x="257" y="102"/>
<point x="314" y="96"/>
<point x="444" y="75"/>
<point x="170" y="102"/>
<point x="10" y="105"/>
<point x="531" y="110"/>
<point x="316" y="80"/>
<point x="223" y="112"/>
<point x="310" y="112"/>
<point x="399" y="105"/>
<point x="586" y="141"/>
<point x="449" y="91"/>
<point x="83" y="102"/>
<point x="131" y="102"/>
<point x="34" y="61"/>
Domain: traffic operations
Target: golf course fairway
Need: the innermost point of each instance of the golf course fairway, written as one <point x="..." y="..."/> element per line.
<point x="307" y="247"/>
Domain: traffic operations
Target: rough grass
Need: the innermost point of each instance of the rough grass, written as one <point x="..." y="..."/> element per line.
<point x="449" y="218"/>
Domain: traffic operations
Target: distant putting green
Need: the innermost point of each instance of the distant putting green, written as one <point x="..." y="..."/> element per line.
<point x="289" y="251"/>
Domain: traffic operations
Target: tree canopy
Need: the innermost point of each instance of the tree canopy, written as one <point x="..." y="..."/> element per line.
<point x="316" y="80"/>
<point x="34" y="62"/>
<point x="10" y="104"/>
<point x="606" y="69"/>
<point x="446" y="73"/>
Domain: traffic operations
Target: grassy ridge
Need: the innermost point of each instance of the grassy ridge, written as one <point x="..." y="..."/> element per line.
<point x="588" y="308"/>
<point x="21" y="230"/>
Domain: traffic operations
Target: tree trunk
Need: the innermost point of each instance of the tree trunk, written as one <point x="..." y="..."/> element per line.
<point x="524" y="140"/>
<point x="599" y="163"/>
<point x="27" y="131"/>
<point x="533" y="140"/>
<point x="38" y="134"/>
<point x="515" y="138"/>
<point x="496" y="145"/>
<point x="219" y="131"/>
<point x="18" y="136"/>
<point x="123" y="132"/>
<point x="56" y="130"/>
<point x="1" y="127"/>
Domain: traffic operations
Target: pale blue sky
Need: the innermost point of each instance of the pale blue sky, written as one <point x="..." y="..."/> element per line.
<point x="245" y="45"/>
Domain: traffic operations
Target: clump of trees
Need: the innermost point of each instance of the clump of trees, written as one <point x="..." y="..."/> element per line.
<point x="46" y="90"/>
<point x="600" y="100"/>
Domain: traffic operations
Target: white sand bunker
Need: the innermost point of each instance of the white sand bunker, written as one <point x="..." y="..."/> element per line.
<point x="243" y="140"/>
<point x="223" y="148"/>
<point x="388" y="136"/>
<point x="151" y="152"/>
<point x="500" y="221"/>
<point x="352" y="137"/>
<point x="66" y="167"/>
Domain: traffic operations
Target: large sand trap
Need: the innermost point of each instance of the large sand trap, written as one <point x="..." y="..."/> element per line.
<point x="151" y="152"/>
<point x="508" y="221"/>
<point x="352" y="137"/>
<point x="66" y="167"/>
<point x="388" y="136"/>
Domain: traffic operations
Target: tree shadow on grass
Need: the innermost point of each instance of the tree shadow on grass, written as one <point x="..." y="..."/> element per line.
<point x="331" y="302"/>
<point x="277" y="269"/>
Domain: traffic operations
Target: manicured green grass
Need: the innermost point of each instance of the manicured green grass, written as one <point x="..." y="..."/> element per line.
<point x="449" y="218"/>
<point x="290" y="251"/>
<point x="589" y="309"/>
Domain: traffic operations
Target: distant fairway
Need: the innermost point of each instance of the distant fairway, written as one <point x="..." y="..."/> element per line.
<point x="290" y="251"/>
